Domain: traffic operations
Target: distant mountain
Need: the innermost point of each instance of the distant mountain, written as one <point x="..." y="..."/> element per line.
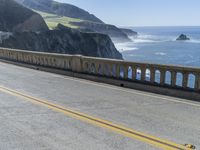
<point x="116" y="34"/>
<point x="16" y="18"/>
<point x="72" y="16"/>
<point x="61" y="9"/>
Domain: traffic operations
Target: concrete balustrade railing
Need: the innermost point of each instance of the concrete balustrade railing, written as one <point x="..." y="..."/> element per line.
<point x="161" y="75"/>
<point x="146" y="72"/>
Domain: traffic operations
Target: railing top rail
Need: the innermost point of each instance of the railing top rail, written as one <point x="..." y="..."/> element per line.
<point x="144" y="64"/>
<point x="36" y="52"/>
<point x="114" y="61"/>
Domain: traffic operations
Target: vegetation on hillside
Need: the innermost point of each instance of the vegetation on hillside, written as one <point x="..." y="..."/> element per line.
<point x="53" y="20"/>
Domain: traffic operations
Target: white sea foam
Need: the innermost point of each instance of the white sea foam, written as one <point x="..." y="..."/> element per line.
<point x="128" y="46"/>
<point x="160" y="53"/>
<point x="146" y="38"/>
<point x="144" y="41"/>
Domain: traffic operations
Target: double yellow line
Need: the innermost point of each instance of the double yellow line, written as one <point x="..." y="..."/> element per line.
<point x="157" y="142"/>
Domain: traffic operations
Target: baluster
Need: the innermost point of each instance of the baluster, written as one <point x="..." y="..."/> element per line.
<point x="96" y="68"/>
<point x="134" y="72"/>
<point x="143" y="73"/>
<point x="162" y="77"/>
<point x="173" y="78"/>
<point x="185" y="80"/>
<point x="118" y="70"/>
<point x="125" y="71"/>
<point x="104" y="69"/>
<point x="90" y="67"/>
<point x="152" y="76"/>
<point x="109" y="70"/>
<point x="197" y="82"/>
<point x="113" y="70"/>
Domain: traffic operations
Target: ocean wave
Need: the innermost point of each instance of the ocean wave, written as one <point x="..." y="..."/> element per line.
<point x="147" y="38"/>
<point x="144" y="41"/>
<point x="121" y="47"/>
<point x="160" y="53"/>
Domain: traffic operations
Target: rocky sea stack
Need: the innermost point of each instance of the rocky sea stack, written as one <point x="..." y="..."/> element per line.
<point x="183" y="37"/>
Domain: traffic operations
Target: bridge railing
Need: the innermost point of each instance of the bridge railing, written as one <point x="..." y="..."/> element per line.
<point x="161" y="75"/>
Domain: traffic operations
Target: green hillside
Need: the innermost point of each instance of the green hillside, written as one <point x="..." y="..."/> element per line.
<point x="53" y="20"/>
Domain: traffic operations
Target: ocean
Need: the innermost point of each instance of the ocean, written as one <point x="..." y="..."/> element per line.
<point x="159" y="45"/>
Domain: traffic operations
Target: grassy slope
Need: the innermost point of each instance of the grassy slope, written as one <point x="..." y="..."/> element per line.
<point x="52" y="20"/>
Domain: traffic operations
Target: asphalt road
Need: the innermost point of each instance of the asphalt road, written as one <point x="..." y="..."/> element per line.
<point x="28" y="125"/>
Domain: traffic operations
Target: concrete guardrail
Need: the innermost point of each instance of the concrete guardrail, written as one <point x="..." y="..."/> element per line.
<point x="169" y="76"/>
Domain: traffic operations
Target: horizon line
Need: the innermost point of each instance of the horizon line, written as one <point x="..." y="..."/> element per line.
<point x="161" y="26"/>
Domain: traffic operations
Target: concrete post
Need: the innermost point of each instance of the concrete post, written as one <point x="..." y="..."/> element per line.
<point x="143" y="73"/>
<point x="173" y="78"/>
<point x="77" y="65"/>
<point x="197" y="82"/>
<point x="185" y="80"/>
<point x="162" y="77"/>
<point x="105" y="69"/>
<point x="117" y="70"/>
<point x="96" y="68"/>
<point x="125" y="71"/>
<point x="111" y="66"/>
<point x="152" y="75"/>
<point x="134" y="72"/>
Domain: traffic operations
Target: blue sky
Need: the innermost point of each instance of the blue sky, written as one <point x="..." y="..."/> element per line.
<point x="143" y="12"/>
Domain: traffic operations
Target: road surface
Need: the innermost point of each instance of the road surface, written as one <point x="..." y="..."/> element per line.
<point x="46" y="111"/>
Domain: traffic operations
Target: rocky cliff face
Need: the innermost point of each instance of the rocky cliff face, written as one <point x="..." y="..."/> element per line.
<point x="16" y="18"/>
<point x="50" y="6"/>
<point x="115" y="33"/>
<point x="64" y="40"/>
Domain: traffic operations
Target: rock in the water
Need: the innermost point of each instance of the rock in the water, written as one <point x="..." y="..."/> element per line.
<point x="182" y="37"/>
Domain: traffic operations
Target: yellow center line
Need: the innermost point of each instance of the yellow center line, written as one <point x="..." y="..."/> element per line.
<point x="157" y="142"/>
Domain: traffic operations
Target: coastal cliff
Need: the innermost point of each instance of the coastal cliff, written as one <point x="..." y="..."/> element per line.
<point x="64" y="40"/>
